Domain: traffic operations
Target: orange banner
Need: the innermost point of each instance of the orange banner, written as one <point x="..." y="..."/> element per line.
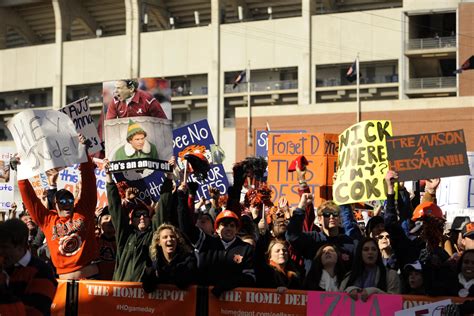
<point x="129" y="298"/>
<point x="248" y="301"/>
<point x="321" y="152"/>
<point x="58" y="307"/>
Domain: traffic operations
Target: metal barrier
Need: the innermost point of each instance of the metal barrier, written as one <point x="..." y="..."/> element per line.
<point x="262" y="86"/>
<point x="432" y="83"/>
<point x="432" y="43"/>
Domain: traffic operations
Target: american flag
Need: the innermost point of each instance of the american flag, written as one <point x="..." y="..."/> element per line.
<point x="240" y="78"/>
<point x="351" y="74"/>
<point x="468" y="64"/>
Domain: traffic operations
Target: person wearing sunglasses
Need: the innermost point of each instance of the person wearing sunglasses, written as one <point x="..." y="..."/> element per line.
<point x="331" y="217"/>
<point x="388" y="256"/>
<point x="69" y="228"/>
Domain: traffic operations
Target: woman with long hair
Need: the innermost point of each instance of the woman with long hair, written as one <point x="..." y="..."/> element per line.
<point x="369" y="275"/>
<point x="463" y="285"/>
<point x="278" y="271"/>
<point x="327" y="270"/>
<point x="173" y="261"/>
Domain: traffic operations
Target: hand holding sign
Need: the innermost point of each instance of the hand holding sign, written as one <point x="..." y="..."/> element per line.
<point x="431" y="185"/>
<point x="390" y="178"/>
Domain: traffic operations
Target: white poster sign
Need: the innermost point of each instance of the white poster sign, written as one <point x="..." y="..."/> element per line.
<point x="455" y="195"/>
<point x="80" y="114"/>
<point x="433" y="309"/>
<point x="7" y="181"/>
<point x="45" y="139"/>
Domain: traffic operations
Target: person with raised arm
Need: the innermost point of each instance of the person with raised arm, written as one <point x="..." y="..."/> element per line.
<point x="69" y="227"/>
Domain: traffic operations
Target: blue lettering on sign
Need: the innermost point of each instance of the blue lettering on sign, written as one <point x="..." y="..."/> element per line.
<point x="196" y="133"/>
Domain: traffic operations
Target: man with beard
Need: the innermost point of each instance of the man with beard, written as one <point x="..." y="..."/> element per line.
<point x="129" y="101"/>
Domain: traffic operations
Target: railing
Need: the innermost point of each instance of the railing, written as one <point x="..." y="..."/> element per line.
<point x="432" y="43"/>
<point x="262" y="86"/>
<point x="184" y="92"/>
<point x="334" y="82"/>
<point x="432" y="83"/>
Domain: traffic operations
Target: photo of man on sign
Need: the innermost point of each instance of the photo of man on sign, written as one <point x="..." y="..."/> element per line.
<point x="137" y="146"/>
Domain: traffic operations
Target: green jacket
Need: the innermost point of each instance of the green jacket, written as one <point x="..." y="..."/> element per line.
<point x="133" y="245"/>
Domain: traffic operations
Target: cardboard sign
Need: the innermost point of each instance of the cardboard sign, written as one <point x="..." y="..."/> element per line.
<point x="248" y="301"/>
<point x="362" y="162"/>
<point x="432" y="309"/>
<point x="197" y="137"/>
<point x="129" y="298"/>
<point x="58" y="306"/>
<point x="80" y="114"/>
<point x="45" y="139"/>
<point x="70" y="178"/>
<point x="319" y="149"/>
<point x="337" y="303"/>
<point x="7" y="179"/>
<point x="261" y="144"/>
<point x="427" y="156"/>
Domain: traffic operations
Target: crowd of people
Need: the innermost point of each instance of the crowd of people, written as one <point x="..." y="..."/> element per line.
<point x="241" y="239"/>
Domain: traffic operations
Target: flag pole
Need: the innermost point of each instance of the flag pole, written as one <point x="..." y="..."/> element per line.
<point x="249" y="107"/>
<point x="358" y="89"/>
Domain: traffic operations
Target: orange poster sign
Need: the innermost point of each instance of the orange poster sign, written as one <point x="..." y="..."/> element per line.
<point x="249" y="301"/>
<point x="58" y="307"/>
<point x="129" y="298"/>
<point x="321" y="152"/>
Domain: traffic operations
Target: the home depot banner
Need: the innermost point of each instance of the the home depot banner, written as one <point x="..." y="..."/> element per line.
<point x="248" y="301"/>
<point x="129" y="298"/>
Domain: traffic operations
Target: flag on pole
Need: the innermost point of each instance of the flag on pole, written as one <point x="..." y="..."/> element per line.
<point x="240" y="78"/>
<point x="351" y="73"/>
<point x="468" y="64"/>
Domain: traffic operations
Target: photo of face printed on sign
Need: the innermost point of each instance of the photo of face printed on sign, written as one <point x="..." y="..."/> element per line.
<point x="137" y="97"/>
<point x="138" y="128"/>
<point x="4" y="171"/>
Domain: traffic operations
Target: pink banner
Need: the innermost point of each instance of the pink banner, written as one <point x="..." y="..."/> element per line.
<point x="336" y="303"/>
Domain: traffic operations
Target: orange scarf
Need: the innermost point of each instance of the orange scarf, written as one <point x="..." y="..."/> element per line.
<point x="289" y="274"/>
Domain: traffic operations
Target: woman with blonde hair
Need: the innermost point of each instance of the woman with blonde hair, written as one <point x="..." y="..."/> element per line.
<point x="173" y="261"/>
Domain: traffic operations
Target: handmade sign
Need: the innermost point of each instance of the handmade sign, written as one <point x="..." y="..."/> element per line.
<point x="45" y="139"/>
<point x="80" y="114"/>
<point x="362" y="162"/>
<point x="197" y="138"/>
<point x="319" y="149"/>
<point x="427" y="156"/>
<point x="7" y="181"/>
